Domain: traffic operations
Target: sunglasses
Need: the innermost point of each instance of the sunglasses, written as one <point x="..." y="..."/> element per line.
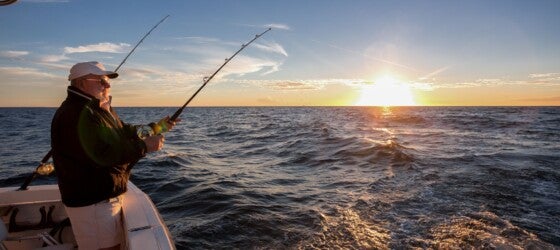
<point x="103" y="81"/>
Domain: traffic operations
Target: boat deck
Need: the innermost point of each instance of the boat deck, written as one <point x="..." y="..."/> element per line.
<point x="35" y="218"/>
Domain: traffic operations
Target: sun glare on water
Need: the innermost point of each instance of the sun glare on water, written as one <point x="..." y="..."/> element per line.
<point x="386" y="91"/>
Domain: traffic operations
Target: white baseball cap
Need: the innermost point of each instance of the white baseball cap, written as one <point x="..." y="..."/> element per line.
<point x="87" y="68"/>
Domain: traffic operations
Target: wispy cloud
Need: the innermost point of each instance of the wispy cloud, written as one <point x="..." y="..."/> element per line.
<point x="100" y="47"/>
<point x="53" y="58"/>
<point x="22" y="72"/>
<point x="277" y="26"/>
<point x="246" y="64"/>
<point x="294" y="85"/>
<point x="13" y="53"/>
<point x="208" y="54"/>
<point x="467" y="84"/>
<point x="542" y="79"/>
<point x="160" y="75"/>
<point x="489" y="81"/>
<point x="199" y="39"/>
<point x="541" y="75"/>
<point x="426" y="86"/>
<point x="545" y="78"/>
<point x="317" y="84"/>
<point x="272" y="47"/>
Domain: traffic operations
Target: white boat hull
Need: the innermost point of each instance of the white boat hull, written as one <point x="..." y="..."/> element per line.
<point x="35" y="211"/>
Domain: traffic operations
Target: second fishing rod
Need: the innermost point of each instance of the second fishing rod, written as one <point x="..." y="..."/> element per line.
<point x="45" y="168"/>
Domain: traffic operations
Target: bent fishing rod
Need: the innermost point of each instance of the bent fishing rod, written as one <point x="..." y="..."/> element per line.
<point x="155" y="129"/>
<point x="207" y="79"/>
<point x="44" y="168"/>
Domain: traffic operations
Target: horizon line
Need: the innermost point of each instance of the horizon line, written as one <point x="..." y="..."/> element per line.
<point x="306" y="106"/>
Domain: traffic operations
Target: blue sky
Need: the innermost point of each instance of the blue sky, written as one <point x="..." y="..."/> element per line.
<point x="318" y="53"/>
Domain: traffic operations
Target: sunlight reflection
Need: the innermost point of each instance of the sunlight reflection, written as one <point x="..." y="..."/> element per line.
<point x="346" y="229"/>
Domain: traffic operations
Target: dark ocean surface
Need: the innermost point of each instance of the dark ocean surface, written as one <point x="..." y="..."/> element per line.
<point x="332" y="178"/>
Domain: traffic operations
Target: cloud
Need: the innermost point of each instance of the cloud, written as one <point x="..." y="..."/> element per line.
<point x="277" y="26"/>
<point x="272" y="47"/>
<point x="545" y="78"/>
<point x="21" y="72"/>
<point x="200" y="39"/>
<point x="100" y="47"/>
<point x="242" y="65"/>
<point x="493" y="81"/>
<point x="541" y="75"/>
<point x="317" y="84"/>
<point x="426" y="86"/>
<point x="292" y="86"/>
<point x="288" y="85"/>
<point x="159" y="79"/>
<point x="13" y="53"/>
<point x="470" y="84"/>
<point x="207" y="54"/>
<point x="53" y="58"/>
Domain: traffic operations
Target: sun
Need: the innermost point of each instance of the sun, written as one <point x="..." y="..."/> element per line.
<point x="386" y="91"/>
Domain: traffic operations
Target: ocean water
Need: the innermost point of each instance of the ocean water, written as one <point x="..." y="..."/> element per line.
<point x="338" y="177"/>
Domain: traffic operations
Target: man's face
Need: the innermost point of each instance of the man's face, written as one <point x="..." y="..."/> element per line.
<point x="97" y="86"/>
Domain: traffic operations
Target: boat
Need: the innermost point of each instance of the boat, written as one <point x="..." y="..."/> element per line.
<point x="35" y="218"/>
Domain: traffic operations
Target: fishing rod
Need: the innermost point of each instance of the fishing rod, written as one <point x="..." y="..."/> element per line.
<point x="7" y="2"/>
<point x="139" y="42"/>
<point x="207" y="79"/>
<point x="160" y="127"/>
<point x="44" y="168"/>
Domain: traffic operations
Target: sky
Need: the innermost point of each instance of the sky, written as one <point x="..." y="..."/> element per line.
<point x="318" y="53"/>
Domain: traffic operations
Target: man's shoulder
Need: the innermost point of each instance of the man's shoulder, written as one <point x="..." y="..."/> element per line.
<point x="68" y="109"/>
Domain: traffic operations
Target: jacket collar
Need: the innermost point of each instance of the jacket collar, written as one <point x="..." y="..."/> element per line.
<point x="78" y="95"/>
<point x="75" y="92"/>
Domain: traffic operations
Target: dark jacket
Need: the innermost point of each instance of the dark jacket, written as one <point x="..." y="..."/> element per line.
<point x="92" y="150"/>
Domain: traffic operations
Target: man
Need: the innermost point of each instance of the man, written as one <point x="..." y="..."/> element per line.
<point x="92" y="153"/>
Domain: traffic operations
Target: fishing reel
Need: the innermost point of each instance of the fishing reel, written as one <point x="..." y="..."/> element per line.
<point x="45" y="168"/>
<point x="144" y="131"/>
<point x="152" y="129"/>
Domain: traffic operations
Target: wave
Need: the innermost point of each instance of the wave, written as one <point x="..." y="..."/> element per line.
<point x="483" y="230"/>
